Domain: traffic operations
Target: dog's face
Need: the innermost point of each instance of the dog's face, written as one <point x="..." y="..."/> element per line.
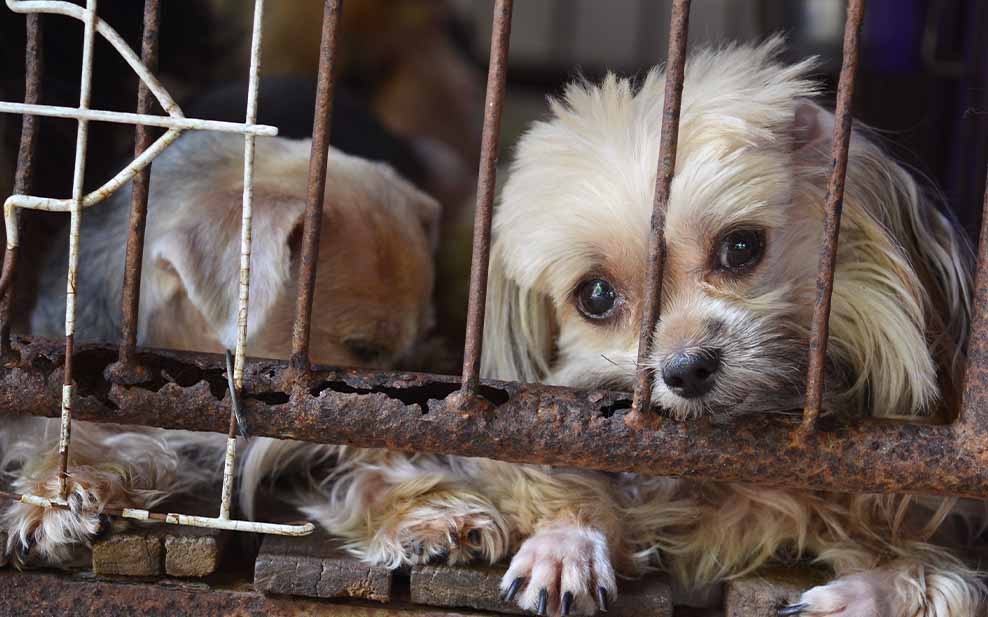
<point x="743" y="230"/>
<point x="373" y="292"/>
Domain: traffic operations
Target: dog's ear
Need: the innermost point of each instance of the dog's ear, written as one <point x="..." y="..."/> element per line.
<point x="523" y="324"/>
<point x="900" y="308"/>
<point x="198" y="256"/>
<point x="812" y="129"/>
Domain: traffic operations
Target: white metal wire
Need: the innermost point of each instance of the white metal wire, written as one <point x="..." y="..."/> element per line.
<point x="176" y="123"/>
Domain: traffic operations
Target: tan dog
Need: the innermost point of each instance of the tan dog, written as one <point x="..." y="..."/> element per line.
<point x="372" y="303"/>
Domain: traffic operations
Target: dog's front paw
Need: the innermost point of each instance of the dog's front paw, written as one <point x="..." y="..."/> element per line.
<point x="860" y="595"/>
<point x="564" y="570"/>
<point x="451" y="527"/>
<point x="54" y="536"/>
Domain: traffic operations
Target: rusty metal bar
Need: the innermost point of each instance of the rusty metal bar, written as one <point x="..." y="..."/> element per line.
<point x="831" y="223"/>
<point x="973" y="416"/>
<point x="75" y="224"/>
<point x="530" y="423"/>
<point x="312" y="226"/>
<point x="675" y="67"/>
<point x="493" y="105"/>
<point x="34" y="62"/>
<point x="130" y="302"/>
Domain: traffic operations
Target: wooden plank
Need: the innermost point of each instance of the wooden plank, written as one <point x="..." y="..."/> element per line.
<point x="317" y="567"/>
<point x="762" y="594"/>
<point x="48" y="594"/>
<point x="131" y="552"/>
<point x="477" y="587"/>
<point x="193" y="552"/>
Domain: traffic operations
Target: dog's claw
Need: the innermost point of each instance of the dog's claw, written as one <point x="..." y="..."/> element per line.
<point x="474" y="536"/>
<point x="512" y="591"/>
<point x="440" y="557"/>
<point x="105" y="524"/>
<point x="543" y="602"/>
<point x="792" y="609"/>
<point x="24" y="550"/>
<point x="567" y="603"/>
<point x="602" y="599"/>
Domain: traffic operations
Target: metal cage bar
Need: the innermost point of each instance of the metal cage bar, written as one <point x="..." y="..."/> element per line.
<point x="843" y="121"/>
<point x="312" y="226"/>
<point x="530" y="423"/>
<point x="480" y="261"/>
<point x="134" y="260"/>
<point x="671" y="104"/>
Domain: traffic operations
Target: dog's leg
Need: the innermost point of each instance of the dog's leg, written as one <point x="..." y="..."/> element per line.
<point x="565" y="566"/>
<point x="904" y="588"/>
<point x="391" y="509"/>
<point x="134" y="469"/>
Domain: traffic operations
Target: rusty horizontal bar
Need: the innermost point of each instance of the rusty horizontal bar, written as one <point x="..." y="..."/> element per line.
<point x="528" y="423"/>
<point x="671" y="104"/>
<point x="843" y="120"/>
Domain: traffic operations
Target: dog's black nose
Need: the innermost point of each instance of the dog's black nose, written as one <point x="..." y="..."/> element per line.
<point x="690" y="375"/>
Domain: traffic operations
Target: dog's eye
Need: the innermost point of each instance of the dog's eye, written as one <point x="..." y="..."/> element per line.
<point x="596" y="298"/>
<point x="740" y="250"/>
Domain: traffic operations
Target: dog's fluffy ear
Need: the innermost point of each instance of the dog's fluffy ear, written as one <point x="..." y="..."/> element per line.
<point x="812" y="128"/>
<point x="522" y="322"/>
<point x="900" y="308"/>
<point x="199" y="256"/>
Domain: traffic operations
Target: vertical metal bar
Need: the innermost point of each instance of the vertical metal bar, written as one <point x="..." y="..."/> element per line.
<point x="139" y="200"/>
<point x="493" y="105"/>
<point x="245" y="250"/>
<point x="974" y="407"/>
<point x="317" y="183"/>
<point x="831" y="223"/>
<point x="679" y="24"/>
<point x="82" y="141"/>
<point x="24" y="176"/>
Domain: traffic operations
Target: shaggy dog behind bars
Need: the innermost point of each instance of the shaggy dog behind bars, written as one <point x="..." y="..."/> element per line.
<point x="743" y="229"/>
<point x="372" y="303"/>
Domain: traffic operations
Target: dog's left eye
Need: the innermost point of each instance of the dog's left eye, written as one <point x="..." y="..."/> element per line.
<point x="596" y="298"/>
<point x="740" y="250"/>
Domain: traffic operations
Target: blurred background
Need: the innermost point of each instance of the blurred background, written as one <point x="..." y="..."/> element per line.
<point x="411" y="84"/>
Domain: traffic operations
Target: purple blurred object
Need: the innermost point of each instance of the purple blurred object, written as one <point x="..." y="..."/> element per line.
<point x="892" y="35"/>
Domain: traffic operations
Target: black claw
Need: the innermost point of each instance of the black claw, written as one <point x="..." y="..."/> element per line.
<point x="602" y="599"/>
<point x="567" y="603"/>
<point x="419" y="549"/>
<point x="513" y="588"/>
<point x="543" y="602"/>
<point x="474" y="536"/>
<point x="75" y="502"/>
<point x="105" y="524"/>
<point x="440" y="557"/>
<point x="24" y="550"/>
<point x="792" y="609"/>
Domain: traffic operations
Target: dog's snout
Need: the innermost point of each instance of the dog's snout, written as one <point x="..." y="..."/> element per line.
<point x="366" y="351"/>
<point x="691" y="375"/>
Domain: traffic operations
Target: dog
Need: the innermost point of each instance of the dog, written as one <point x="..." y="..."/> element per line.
<point x="373" y="302"/>
<point x="743" y="227"/>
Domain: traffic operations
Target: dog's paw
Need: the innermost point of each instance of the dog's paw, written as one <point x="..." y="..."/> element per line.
<point x="38" y="535"/>
<point x="449" y="527"/>
<point x="860" y="595"/>
<point x="564" y="570"/>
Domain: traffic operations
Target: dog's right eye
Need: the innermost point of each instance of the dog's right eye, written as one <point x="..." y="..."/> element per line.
<point x="596" y="298"/>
